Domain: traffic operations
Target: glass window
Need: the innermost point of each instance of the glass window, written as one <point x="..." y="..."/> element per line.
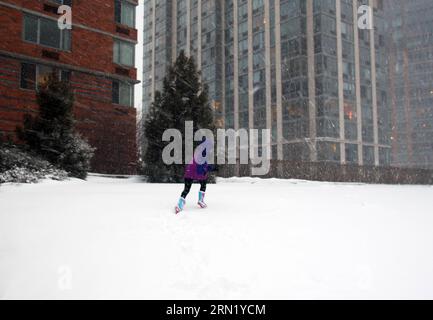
<point x="33" y="75"/>
<point x="30" y="28"/>
<point x="124" y="13"/>
<point x="65" y="75"/>
<point x="46" y="32"/>
<point x="49" y="33"/>
<point x="127" y="54"/>
<point x="384" y="156"/>
<point x="118" y="11"/>
<point x="125" y="94"/>
<point x="28" y="76"/>
<point x="328" y="151"/>
<point x="123" y="53"/>
<point x="115" y="92"/>
<point x="66" y="40"/>
<point x="116" y="50"/>
<point x="128" y="14"/>
<point x="368" y="155"/>
<point x="351" y="153"/>
<point x="44" y="73"/>
<point x="122" y="93"/>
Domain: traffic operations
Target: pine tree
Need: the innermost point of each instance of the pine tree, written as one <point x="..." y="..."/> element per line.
<point x="51" y="133"/>
<point x="183" y="98"/>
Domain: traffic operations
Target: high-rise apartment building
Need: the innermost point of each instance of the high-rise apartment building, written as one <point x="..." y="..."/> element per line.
<point x="172" y="26"/>
<point x="96" y="57"/>
<point x="301" y="68"/>
<point x="410" y="50"/>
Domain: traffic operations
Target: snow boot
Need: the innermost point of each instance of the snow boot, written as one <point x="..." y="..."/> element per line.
<point x="201" y="203"/>
<point x="180" y="205"/>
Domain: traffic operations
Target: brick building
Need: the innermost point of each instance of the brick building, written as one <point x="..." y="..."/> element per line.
<point x="96" y="56"/>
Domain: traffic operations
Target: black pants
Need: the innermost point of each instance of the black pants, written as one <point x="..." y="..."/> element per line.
<point x="188" y="184"/>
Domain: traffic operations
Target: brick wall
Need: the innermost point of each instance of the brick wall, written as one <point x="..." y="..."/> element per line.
<point x="108" y="127"/>
<point x="90" y="49"/>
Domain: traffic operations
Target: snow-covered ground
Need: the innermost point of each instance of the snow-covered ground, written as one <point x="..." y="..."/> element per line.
<point x="259" y="239"/>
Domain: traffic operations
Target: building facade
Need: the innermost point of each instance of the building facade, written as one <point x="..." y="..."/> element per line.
<point x="301" y="68"/>
<point x="167" y="32"/>
<point x="410" y="54"/>
<point x="96" y="56"/>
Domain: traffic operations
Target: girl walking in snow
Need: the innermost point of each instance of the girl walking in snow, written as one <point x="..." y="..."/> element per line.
<point x="196" y="172"/>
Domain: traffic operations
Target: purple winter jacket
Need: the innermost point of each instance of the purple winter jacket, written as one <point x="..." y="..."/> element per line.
<point x="195" y="171"/>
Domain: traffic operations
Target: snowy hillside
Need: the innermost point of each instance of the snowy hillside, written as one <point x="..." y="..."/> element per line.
<point x="261" y="239"/>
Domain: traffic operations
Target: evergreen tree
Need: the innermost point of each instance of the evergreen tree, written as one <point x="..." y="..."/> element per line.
<point x="183" y="98"/>
<point x="51" y="133"/>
